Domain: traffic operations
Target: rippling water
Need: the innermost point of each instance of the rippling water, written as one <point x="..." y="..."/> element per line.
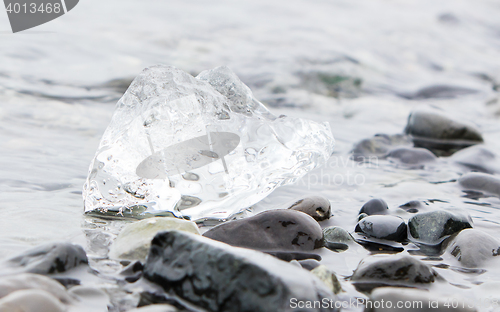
<point x="356" y="64"/>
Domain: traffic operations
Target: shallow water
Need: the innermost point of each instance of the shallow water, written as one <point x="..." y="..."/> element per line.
<point x="354" y="64"/>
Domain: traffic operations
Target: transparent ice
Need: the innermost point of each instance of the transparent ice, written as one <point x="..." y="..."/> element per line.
<point x="200" y="148"/>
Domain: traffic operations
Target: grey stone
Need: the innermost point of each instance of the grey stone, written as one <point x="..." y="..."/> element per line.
<point x="317" y="207"/>
<point x="482" y="182"/>
<point x="328" y="277"/>
<point x="376" y="206"/>
<point x="282" y="229"/>
<point x="49" y="258"/>
<point x="383" y="227"/>
<point x="219" y="277"/>
<point x="431" y="228"/>
<point x="336" y="238"/>
<point x="391" y="270"/>
<point x="412" y="157"/>
<point x="473" y="248"/>
<point x="477" y="158"/>
<point x="378" y="146"/>
<point x="438" y="92"/>
<point x="440" y="134"/>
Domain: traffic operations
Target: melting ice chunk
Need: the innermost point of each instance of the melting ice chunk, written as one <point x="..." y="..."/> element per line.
<point x="199" y="147"/>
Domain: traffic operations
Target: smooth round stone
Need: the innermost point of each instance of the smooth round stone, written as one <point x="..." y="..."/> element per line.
<point x="31" y="300"/>
<point x="391" y="270"/>
<point x="411" y="155"/>
<point x="383" y="227"/>
<point x="434" y="131"/>
<point x="416" y="300"/>
<point x="328" y="277"/>
<point x="374" y="206"/>
<point x="431" y="228"/>
<point x="49" y="258"/>
<point x="134" y="240"/>
<point x="482" y="182"/>
<point x="473" y="248"/>
<point x="12" y="283"/>
<point x="336" y="238"/>
<point x="281" y="229"/>
<point x="317" y="207"/>
<point x="156" y="308"/>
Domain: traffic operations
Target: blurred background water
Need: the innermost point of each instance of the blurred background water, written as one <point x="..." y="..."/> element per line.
<point x="360" y="65"/>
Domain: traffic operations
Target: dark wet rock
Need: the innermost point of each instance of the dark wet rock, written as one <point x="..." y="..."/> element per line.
<point x="477" y="158"/>
<point x="218" y="277"/>
<point x="317" y="207"/>
<point x="361" y="216"/>
<point x="67" y="281"/>
<point x="328" y="277"/>
<point x="440" y="134"/>
<point x="392" y="270"/>
<point x="290" y="255"/>
<point x="473" y="248"/>
<point x="378" y="146"/>
<point x="383" y="227"/>
<point x="282" y="229"/>
<point x="438" y="92"/>
<point x="431" y="228"/>
<point x="413" y="300"/>
<point x="336" y="238"/>
<point x="482" y="182"/>
<point x="377" y="245"/>
<point x="413" y="206"/>
<point x="413" y="157"/>
<point x="132" y="272"/>
<point x="374" y="206"/>
<point x="309" y="264"/>
<point x="49" y="258"/>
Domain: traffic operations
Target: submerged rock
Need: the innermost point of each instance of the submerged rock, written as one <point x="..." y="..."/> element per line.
<point x="438" y="92"/>
<point x="134" y="240"/>
<point x="218" y="277"/>
<point x="337" y="239"/>
<point x="328" y="277"/>
<point x="397" y="299"/>
<point x="281" y="229"/>
<point x="485" y="183"/>
<point x="413" y="206"/>
<point x="383" y="227"/>
<point x="378" y="146"/>
<point x="393" y="270"/>
<point x="411" y="157"/>
<point x="431" y="228"/>
<point x="49" y="258"/>
<point x="473" y="248"/>
<point x="477" y="158"/>
<point x="376" y="244"/>
<point x="317" y="207"/>
<point x="374" y="206"/>
<point x="440" y="134"/>
<point x="173" y="134"/>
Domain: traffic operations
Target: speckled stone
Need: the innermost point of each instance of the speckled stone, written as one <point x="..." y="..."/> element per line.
<point x="317" y="207"/>
<point x="431" y="228"/>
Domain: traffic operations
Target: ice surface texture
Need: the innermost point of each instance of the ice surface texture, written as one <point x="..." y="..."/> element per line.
<point x="199" y="147"/>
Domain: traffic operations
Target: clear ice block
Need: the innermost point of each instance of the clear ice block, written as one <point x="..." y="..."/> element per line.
<point x="198" y="148"/>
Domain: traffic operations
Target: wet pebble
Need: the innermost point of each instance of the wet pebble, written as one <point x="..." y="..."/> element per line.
<point x="317" y="207"/>
<point x="328" y="277"/>
<point x="374" y="206"/>
<point x="282" y="229"/>
<point x="482" y="182"/>
<point x="49" y="258"/>
<point x="391" y="270"/>
<point x="440" y="134"/>
<point x="411" y="157"/>
<point x="309" y="264"/>
<point x="383" y="227"/>
<point x="133" y="241"/>
<point x="336" y="238"/>
<point x="238" y="279"/>
<point x="473" y="248"/>
<point x="413" y="206"/>
<point x="431" y="228"/>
